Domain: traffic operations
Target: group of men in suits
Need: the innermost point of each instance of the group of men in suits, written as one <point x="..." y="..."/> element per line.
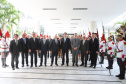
<point x="43" y="46"/>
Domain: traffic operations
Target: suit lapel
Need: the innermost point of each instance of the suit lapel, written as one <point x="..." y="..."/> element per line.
<point x="14" y="43"/>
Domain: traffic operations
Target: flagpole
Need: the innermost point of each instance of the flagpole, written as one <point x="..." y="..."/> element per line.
<point x="105" y="42"/>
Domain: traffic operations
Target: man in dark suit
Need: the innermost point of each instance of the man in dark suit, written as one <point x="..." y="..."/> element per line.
<point x="43" y="49"/>
<point x="50" y="40"/>
<point x="33" y="48"/>
<point x="84" y="47"/>
<point x="24" y="49"/>
<point x="14" y="50"/>
<point x="65" y="46"/>
<point x="93" y="48"/>
<point x="55" y="44"/>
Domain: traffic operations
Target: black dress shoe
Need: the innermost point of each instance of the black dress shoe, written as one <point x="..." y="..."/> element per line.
<point x="85" y="65"/>
<point x="51" y="65"/>
<point x="94" y="67"/>
<point x="109" y="67"/>
<point x="73" y="64"/>
<point x="101" y="63"/>
<point x="17" y="67"/>
<point x="82" y="65"/>
<point x="62" y="64"/>
<point x="22" y="65"/>
<point x="45" y="65"/>
<point x="77" y="65"/>
<point x="67" y="64"/>
<point x="31" y="66"/>
<point x="121" y="78"/>
<point x="91" y="66"/>
<point x="7" y="65"/>
<point x="40" y="65"/>
<point x="35" y="65"/>
<point x="56" y="64"/>
<point x="27" y="65"/>
<point x="13" y="68"/>
<point x="118" y="75"/>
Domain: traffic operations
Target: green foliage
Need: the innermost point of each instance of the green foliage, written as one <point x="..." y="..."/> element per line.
<point x="115" y="53"/>
<point x="123" y="23"/>
<point x="9" y="15"/>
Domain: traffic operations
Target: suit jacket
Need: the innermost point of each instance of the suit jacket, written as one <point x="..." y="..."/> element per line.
<point x="15" y="49"/>
<point x="84" y="47"/>
<point x="65" y="45"/>
<point x="24" y="46"/>
<point x="49" y="42"/>
<point x="33" y="45"/>
<point x="75" y="43"/>
<point x="55" y="47"/>
<point x="94" y="46"/>
<point x="44" y="47"/>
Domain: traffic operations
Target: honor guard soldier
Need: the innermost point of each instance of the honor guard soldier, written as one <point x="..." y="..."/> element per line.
<point x="121" y="55"/>
<point x="102" y="50"/>
<point x="110" y="52"/>
<point x="4" y="50"/>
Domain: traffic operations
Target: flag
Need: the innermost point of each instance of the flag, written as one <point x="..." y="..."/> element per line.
<point x="103" y="36"/>
<point x="25" y="35"/>
<point x="47" y="35"/>
<point x="6" y="32"/>
<point x="83" y="33"/>
<point x="0" y="32"/>
<point x="89" y="33"/>
<point x="41" y="35"/>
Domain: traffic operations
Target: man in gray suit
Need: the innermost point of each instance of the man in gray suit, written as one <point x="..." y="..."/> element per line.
<point x="84" y="47"/>
<point x="75" y="44"/>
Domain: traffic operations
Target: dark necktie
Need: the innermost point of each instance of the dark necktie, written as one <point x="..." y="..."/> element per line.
<point x="56" y="41"/>
<point x="64" y="40"/>
<point x="16" y="42"/>
<point x="92" y="40"/>
<point x="24" y="40"/>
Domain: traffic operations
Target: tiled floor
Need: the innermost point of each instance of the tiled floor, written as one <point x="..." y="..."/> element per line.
<point x="59" y="74"/>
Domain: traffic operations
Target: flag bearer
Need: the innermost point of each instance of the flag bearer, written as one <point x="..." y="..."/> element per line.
<point x="102" y="50"/>
<point x="4" y="51"/>
<point x="121" y="55"/>
<point x="110" y="52"/>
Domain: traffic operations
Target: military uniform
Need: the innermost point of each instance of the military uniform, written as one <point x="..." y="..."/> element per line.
<point x="4" y="51"/>
<point x="121" y="55"/>
<point x="102" y="51"/>
<point x="110" y="53"/>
